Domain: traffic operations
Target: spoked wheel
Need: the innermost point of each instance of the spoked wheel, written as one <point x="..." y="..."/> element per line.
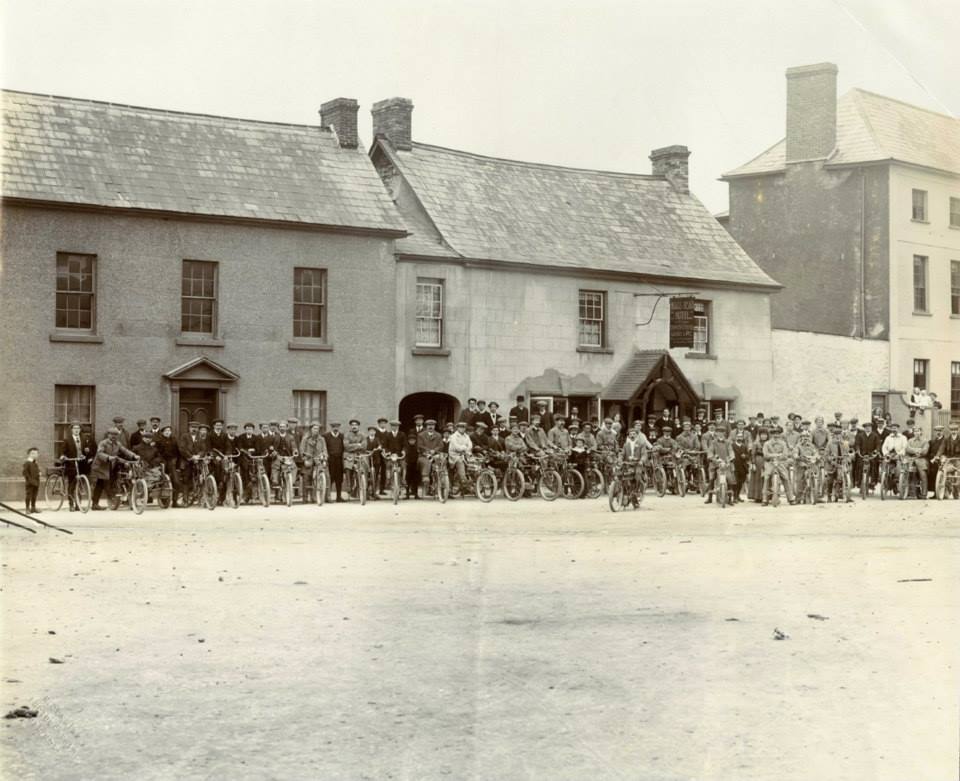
<point x="139" y="495"/>
<point x="362" y="488"/>
<point x="883" y="484"/>
<point x="319" y="487"/>
<point x="513" y="484"/>
<point x="940" y="486"/>
<point x="722" y="490"/>
<point x="263" y="488"/>
<point x="233" y="496"/>
<point x="660" y="481"/>
<point x="443" y="488"/>
<point x="287" y="496"/>
<point x="82" y="494"/>
<point x="681" y="479"/>
<point x="165" y="494"/>
<point x="904" y="484"/>
<point x="301" y="488"/>
<point x="572" y="483"/>
<point x="775" y="490"/>
<point x="54" y="492"/>
<point x="702" y="481"/>
<point x="550" y="484"/>
<point x="395" y="487"/>
<point x="847" y="486"/>
<point x="210" y="494"/>
<point x="486" y="485"/>
<point x="865" y="482"/>
<point x="120" y="496"/>
<point x="593" y="480"/>
<point x="615" y="496"/>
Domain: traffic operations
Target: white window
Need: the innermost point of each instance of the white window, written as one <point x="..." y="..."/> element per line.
<point x="592" y="310"/>
<point x="955" y="212"/>
<point x="701" y="327"/>
<point x="310" y="407"/>
<point x="72" y="403"/>
<point x="429" y="313"/>
<point x="919" y="283"/>
<point x="919" y="212"/>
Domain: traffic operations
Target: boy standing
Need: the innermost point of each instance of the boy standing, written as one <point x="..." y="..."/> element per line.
<point x="31" y="478"/>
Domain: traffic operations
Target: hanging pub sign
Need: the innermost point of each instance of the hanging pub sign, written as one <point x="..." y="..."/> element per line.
<point x="682" y="321"/>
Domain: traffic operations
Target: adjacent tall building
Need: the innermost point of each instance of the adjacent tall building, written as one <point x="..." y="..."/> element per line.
<point x="857" y="212"/>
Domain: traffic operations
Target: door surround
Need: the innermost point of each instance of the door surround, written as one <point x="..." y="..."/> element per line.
<point x="200" y="372"/>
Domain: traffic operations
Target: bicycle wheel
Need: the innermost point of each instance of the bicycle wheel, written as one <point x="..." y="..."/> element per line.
<point x="615" y="496"/>
<point x="263" y="488"/>
<point x="54" y="492"/>
<point x="120" y="495"/>
<point x="702" y="482"/>
<point x="660" y="480"/>
<point x="722" y="490"/>
<point x="903" y="485"/>
<point x="846" y="486"/>
<point x="594" y="483"/>
<point x="681" y="479"/>
<point x="139" y="495"/>
<point x="865" y="481"/>
<point x="165" y="494"/>
<point x="486" y="485"/>
<point x="939" y="487"/>
<point x="572" y="483"/>
<point x="395" y="487"/>
<point x="362" y="487"/>
<point x="288" y="489"/>
<point x="301" y="488"/>
<point x="513" y="484"/>
<point x="443" y="488"/>
<point x="775" y="490"/>
<point x="550" y="485"/>
<point x="233" y="496"/>
<point x="319" y="487"/>
<point x="210" y="493"/>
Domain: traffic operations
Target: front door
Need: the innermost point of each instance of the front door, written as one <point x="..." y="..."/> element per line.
<point x="197" y="404"/>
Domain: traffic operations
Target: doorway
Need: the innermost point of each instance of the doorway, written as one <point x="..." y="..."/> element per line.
<point x="438" y="406"/>
<point x="197" y="404"/>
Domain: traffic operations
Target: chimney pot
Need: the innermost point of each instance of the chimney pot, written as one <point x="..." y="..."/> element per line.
<point x="672" y="162"/>
<point x="340" y="114"/>
<point x="393" y="119"/>
<point x="811" y="111"/>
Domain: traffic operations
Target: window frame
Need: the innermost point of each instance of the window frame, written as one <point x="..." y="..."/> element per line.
<point x="955" y="389"/>
<point x="923" y="205"/>
<point x="300" y="410"/>
<point x="924" y="308"/>
<point x="437" y="284"/>
<point x="61" y="427"/>
<point x="955" y="287"/>
<point x="953" y="213"/>
<point x="322" y="306"/>
<point x="601" y="296"/>
<point x="61" y="256"/>
<point x="924" y="365"/>
<point x="215" y="299"/>
<point x="706" y="317"/>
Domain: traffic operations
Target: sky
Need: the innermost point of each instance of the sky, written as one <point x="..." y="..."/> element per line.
<point x="584" y="83"/>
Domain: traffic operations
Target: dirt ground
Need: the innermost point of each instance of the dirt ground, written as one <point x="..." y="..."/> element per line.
<point x="506" y="641"/>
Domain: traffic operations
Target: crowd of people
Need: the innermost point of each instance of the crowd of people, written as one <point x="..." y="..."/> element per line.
<point x="755" y="448"/>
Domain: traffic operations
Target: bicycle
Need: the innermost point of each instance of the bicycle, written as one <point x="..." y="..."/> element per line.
<point x="318" y="478"/>
<point x="667" y="475"/>
<point x="288" y="468"/>
<point x="889" y="475"/>
<point x="159" y="486"/>
<point x="440" y="476"/>
<point x="807" y="471"/>
<point x="203" y="487"/>
<point x="866" y="472"/>
<point x="129" y="487"/>
<point x="480" y="477"/>
<point x="232" y="481"/>
<point x="911" y="479"/>
<point x="534" y="470"/>
<point x="358" y="467"/>
<point x="722" y="479"/>
<point x="627" y="487"/>
<point x="776" y="489"/>
<point x="394" y="462"/>
<point x="947" y="484"/>
<point x="262" y="479"/>
<point x="572" y="483"/>
<point x="55" y="486"/>
<point x="691" y="462"/>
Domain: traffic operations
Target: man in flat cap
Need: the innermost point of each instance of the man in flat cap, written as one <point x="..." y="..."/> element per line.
<point x="137" y="435"/>
<point x="354" y="442"/>
<point x="335" y="451"/>
<point x="104" y="465"/>
<point x="429" y="442"/>
<point x="124" y="436"/>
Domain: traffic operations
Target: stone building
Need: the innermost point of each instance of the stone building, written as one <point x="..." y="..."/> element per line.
<point x="187" y="266"/>
<point x="558" y="284"/>
<point x="857" y="212"/>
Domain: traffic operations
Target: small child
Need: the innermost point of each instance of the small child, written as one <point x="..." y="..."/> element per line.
<point x="31" y="478"/>
<point x="412" y="467"/>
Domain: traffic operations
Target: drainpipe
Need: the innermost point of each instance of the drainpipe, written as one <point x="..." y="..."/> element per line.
<point x="863" y="261"/>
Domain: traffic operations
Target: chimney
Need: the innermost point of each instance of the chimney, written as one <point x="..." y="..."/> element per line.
<point x="811" y="111"/>
<point x="340" y="114"/>
<point x="671" y="162"/>
<point x="392" y="118"/>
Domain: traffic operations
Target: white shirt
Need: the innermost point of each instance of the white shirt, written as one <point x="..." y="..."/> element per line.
<point x="459" y="444"/>
<point x="895" y="443"/>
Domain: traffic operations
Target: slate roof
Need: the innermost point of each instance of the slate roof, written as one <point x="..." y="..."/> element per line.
<point x="75" y="151"/>
<point x="874" y="128"/>
<point x="632" y="375"/>
<point x="487" y="208"/>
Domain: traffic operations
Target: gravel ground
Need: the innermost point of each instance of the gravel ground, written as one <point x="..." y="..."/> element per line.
<point x="506" y="641"/>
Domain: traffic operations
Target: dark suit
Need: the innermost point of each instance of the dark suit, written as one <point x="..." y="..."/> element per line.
<point x="485" y="417"/>
<point x="335" y="460"/>
<point x="169" y="452"/>
<point x="468" y="416"/>
<point x="933" y="466"/>
<point x="520" y="413"/>
<point x="71" y="469"/>
<point x="546" y="420"/>
<point x="136" y="438"/>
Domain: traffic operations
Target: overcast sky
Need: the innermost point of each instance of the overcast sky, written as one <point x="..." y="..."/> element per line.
<point x="588" y="83"/>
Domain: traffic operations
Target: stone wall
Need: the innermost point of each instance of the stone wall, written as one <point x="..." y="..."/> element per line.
<point x="819" y="374"/>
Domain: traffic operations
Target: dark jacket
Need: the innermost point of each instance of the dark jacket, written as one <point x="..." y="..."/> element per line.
<point x="31" y="473"/>
<point x="136" y="438"/>
<point x="167" y="447"/>
<point x="520" y="413"/>
<point x="392" y="443"/>
<point x="87" y="448"/>
<point x="865" y="444"/>
<point x="485" y="417"/>
<point x="950" y="447"/>
<point x="334" y="444"/>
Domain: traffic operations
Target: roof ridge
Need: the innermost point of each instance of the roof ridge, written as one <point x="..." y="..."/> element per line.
<point x="164" y="111"/>
<point x="902" y="103"/>
<point x="529" y="164"/>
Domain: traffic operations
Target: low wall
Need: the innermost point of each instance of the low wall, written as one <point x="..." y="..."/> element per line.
<point x="819" y="374"/>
